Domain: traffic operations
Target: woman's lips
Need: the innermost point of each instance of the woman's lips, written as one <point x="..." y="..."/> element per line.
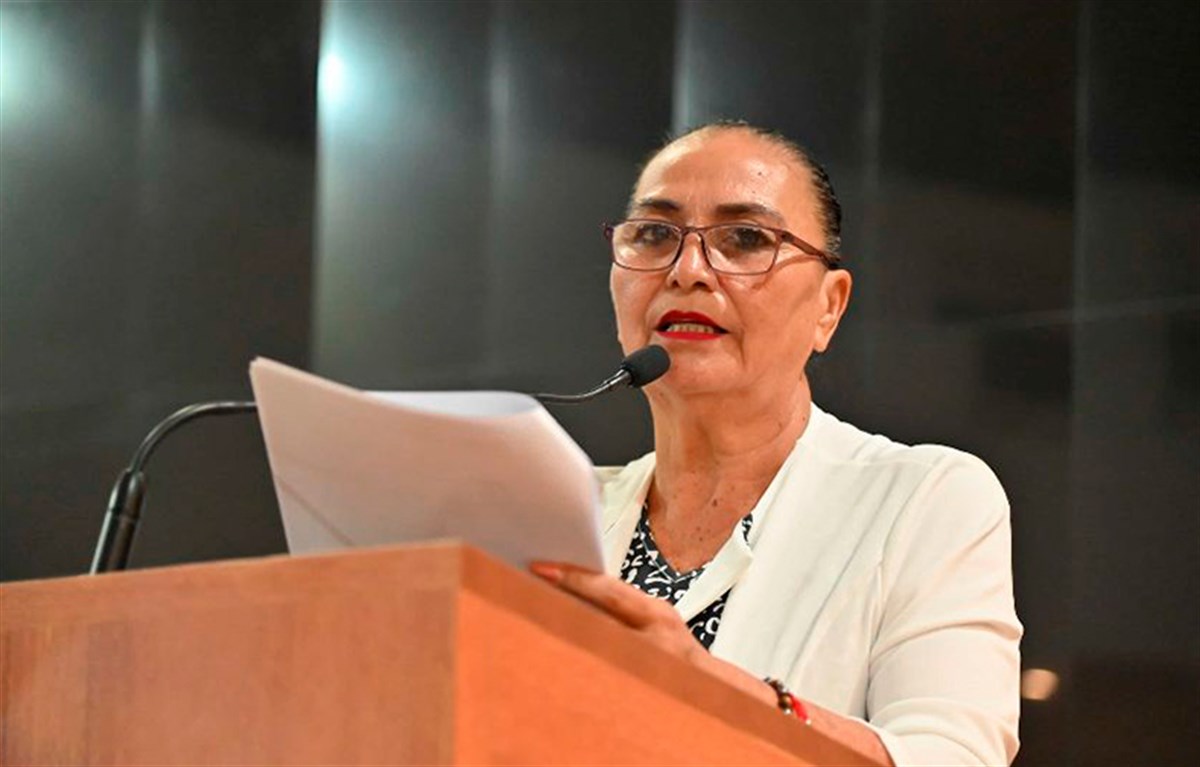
<point x="688" y="326"/>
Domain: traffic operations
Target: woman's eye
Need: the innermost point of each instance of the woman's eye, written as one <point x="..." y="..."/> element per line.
<point x="652" y="234"/>
<point x="744" y="240"/>
<point x="749" y="238"/>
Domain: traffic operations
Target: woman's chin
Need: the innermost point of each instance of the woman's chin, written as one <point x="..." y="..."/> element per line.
<point x="690" y="380"/>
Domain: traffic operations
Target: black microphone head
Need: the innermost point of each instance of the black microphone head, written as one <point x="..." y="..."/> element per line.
<point x="646" y="365"/>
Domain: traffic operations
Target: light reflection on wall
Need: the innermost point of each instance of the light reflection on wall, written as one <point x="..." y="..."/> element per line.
<point x="331" y="81"/>
<point x="32" y="77"/>
<point x="149" y="66"/>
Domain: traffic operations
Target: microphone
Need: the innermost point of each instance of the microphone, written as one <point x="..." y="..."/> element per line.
<point x="125" y="502"/>
<point x="644" y="366"/>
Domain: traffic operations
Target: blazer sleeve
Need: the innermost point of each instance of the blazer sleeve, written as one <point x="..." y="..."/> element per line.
<point x="944" y="669"/>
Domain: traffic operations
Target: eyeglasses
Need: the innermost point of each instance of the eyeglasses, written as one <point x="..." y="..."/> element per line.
<point x="649" y="245"/>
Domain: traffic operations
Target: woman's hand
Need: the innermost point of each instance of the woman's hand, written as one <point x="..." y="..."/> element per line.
<point x="661" y="624"/>
<point x="652" y="618"/>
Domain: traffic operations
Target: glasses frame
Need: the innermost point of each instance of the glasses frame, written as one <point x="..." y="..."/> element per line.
<point x="831" y="262"/>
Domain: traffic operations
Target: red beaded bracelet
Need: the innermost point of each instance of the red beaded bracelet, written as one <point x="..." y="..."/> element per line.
<point x="789" y="703"/>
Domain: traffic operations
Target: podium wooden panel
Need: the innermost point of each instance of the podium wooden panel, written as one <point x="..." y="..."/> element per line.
<point x="434" y="654"/>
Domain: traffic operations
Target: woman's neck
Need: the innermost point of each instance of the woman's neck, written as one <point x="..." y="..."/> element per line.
<point x="715" y="455"/>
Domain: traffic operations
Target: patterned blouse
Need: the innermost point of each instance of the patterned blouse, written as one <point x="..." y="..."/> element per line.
<point x="649" y="570"/>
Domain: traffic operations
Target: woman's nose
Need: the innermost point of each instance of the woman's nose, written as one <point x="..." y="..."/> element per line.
<point x="692" y="267"/>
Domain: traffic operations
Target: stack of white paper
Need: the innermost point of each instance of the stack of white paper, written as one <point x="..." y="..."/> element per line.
<point x="356" y="468"/>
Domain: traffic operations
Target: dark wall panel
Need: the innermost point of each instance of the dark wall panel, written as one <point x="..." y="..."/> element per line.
<point x="155" y="235"/>
<point x="1140" y="228"/>
<point x="1136" y="397"/>
<point x="1142" y="107"/>
<point x="979" y="93"/>
<point x="401" y="276"/>
<point x="68" y="190"/>
<point x="978" y="109"/>
<point x="1134" y="586"/>
<point x="803" y="68"/>
<point x="1137" y="385"/>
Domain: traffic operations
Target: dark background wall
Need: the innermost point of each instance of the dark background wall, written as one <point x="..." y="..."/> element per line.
<point x="408" y="195"/>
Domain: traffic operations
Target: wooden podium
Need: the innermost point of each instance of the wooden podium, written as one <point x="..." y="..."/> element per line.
<point x="432" y="654"/>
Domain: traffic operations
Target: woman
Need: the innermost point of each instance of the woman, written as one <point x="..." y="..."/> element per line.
<point x="862" y="583"/>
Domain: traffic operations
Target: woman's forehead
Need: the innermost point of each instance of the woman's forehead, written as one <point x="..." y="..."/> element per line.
<point x="703" y="172"/>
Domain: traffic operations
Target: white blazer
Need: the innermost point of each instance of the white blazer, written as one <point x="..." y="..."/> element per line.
<point x="877" y="583"/>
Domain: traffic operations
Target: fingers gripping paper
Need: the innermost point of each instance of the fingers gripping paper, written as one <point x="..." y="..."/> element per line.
<point x="354" y="468"/>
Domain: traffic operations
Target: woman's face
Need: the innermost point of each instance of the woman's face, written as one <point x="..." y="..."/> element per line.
<point x="754" y="332"/>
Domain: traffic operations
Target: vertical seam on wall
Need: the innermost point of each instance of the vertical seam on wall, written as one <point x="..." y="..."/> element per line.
<point x="1078" y="298"/>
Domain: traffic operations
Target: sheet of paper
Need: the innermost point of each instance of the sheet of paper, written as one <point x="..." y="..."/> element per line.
<point x="494" y="469"/>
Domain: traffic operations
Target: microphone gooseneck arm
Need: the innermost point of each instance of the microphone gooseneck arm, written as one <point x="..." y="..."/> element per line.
<point x="125" y="502"/>
<point x="618" y="379"/>
<point x="643" y="366"/>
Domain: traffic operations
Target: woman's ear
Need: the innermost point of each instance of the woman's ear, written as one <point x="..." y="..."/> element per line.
<point x="835" y="297"/>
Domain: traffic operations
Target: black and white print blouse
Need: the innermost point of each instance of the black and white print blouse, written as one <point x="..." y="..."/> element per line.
<point x="649" y="570"/>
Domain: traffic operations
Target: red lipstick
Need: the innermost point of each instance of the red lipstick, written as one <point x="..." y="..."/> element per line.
<point x="688" y="326"/>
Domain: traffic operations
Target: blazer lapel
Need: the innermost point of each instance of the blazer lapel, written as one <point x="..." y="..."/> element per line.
<point x="623" y="495"/>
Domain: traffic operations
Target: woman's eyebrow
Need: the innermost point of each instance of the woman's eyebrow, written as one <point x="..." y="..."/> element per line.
<point x="725" y="210"/>
<point x="660" y="204"/>
<point x="733" y="209"/>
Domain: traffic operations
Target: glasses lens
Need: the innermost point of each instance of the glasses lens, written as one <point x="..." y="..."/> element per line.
<point x="741" y="249"/>
<point x="645" y="244"/>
